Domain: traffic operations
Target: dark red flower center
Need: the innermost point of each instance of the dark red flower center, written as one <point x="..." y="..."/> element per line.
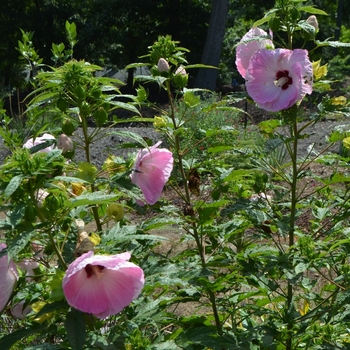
<point x="93" y="269"/>
<point x="283" y="80"/>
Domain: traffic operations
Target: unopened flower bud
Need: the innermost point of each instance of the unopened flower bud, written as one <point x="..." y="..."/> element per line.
<point x="115" y="211"/>
<point x="159" y="122"/>
<point x="163" y="65"/>
<point x="65" y="143"/>
<point x="312" y="20"/>
<point x="180" y="77"/>
<point x="181" y="70"/>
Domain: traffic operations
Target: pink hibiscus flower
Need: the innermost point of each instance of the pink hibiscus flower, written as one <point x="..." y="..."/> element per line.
<point x="38" y="140"/>
<point x="8" y="278"/>
<point x="277" y="79"/>
<point x="249" y="44"/>
<point x="152" y="169"/>
<point x="102" y="285"/>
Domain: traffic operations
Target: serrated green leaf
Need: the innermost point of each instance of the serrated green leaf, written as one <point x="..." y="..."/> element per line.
<point x="126" y="106"/>
<point x="70" y="179"/>
<point x="19" y="243"/>
<point x="168" y="345"/>
<point x="90" y="199"/>
<point x="131" y="135"/>
<point x="44" y="346"/>
<point x="9" y="340"/>
<point x="76" y="329"/>
<point x="332" y="43"/>
<point x="14" y="183"/>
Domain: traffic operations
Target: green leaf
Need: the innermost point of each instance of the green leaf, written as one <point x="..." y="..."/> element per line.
<point x="127" y="234"/>
<point x="191" y="99"/>
<point x="76" y="329"/>
<point x="43" y="145"/>
<point x="168" y="345"/>
<point x="312" y="10"/>
<point x="200" y="66"/>
<point x="90" y="199"/>
<point x="131" y="135"/>
<point x="20" y="242"/>
<point x="136" y="65"/>
<point x="261" y="21"/>
<point x="44" y="346"/>
<point x="13" y="185"/>
<point x="9" y="340"/>
<point x="70" y="179"/>
<point x="126" y="106"/>
<point x="218" y="149"/>
<point x="47" y="308"/>
<point x="332" y="43"/>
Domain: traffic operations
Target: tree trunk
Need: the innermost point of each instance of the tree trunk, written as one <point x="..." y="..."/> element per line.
<point x="206" y="78"/>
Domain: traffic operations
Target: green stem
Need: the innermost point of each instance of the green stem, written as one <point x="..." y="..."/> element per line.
<point x="187" y="198"/>
<point x="49" y="232"/>
<point x="293" y="209"/>
<point x="87" y="142"/>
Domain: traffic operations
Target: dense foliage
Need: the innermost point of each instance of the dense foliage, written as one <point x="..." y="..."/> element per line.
<point x="247" y="249"/>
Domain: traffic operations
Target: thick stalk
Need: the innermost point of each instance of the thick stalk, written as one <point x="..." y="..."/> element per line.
<point x="293" y="208"/>
<point x="187" y="198"/>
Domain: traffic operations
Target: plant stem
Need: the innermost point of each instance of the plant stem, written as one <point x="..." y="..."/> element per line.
<point x="49" y="232"/>
<point x="294" y="132"/>
<point x="187" y="198"/>
<point x="87" y="142"/>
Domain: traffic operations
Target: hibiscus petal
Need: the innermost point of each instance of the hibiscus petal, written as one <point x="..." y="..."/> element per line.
<point x="272" y="93"/>
<point x="153" y="167"/>
<point x="8" y="278"/>
<point x="102" y="285"/>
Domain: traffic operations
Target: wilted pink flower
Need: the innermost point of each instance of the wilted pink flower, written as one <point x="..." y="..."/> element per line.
<point x="65" y="143"/>
<point x="277" y="79"/>
<point x="249" y="44"/>
<point x="29" y="266"/>
<point x="8" y="278"/>
<point x="102" y="285"/>
<point x="38" y="140"/>
<point x="163" y="65"/>
<point x="40" y="196"/>
<point x="312" y="20"/>
<point x="152" y="170"/>
<point x="19" y="311"/>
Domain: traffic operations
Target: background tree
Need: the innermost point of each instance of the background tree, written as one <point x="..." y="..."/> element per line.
<point x="206" y="78"/>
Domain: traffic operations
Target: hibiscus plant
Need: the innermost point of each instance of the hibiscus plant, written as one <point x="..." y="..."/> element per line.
<point x="93" y="256"/>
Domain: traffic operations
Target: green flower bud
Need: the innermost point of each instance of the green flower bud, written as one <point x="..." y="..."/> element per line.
<point x="294" y="14"/>
<point x="100" y="116"/>
<point x="115" y="211"/>
<point x="68" y="127"/>
<point x="274" y="24"/>
<point x="85" y="109"/>
<point x="80" y="92"/>
<point x="180" y="77"/>
<point x="61" y="104"/>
